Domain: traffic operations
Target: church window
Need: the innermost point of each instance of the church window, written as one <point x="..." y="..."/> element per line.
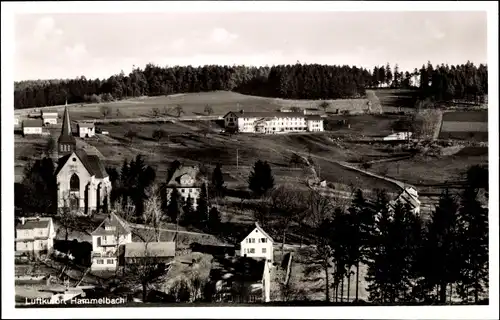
<point x="74" y="183"/>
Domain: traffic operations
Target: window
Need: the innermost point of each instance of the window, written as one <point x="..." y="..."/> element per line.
<point x="263" y="250"/>
<point x="182" y="190"/>
<point x="251" y="250"/>
<point x="74" y="159"/>
<point x="100" y="261"/>
<point x="110" y="261"/>
<point x="263" y="240"/>
<point x="251" y="240"/>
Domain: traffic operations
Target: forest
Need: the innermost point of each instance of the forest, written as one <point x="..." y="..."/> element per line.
<point x="441" y="83"/>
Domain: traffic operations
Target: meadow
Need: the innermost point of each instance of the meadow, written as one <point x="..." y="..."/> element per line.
<point x="465" y="125"/>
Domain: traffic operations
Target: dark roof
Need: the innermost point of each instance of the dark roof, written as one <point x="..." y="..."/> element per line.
<point x="86" y="124"/>
<point x="122" y="226"/>
<point x="192" y="171"/>
<point x="153" y="249"/>
<point x="91" y="162"/>
<point x="66" y="133"/>
<point x="34" y="123"/>
<point x="266" y="114"/>
<point x="312" y="109"/>
<point x="34" y="223"/>
<point x="313" y="117"/>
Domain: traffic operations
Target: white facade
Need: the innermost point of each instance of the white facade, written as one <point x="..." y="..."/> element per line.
<point x="185" y="192"/>
<point x="185" y="181"/>
<point x="258" y="244"/>
<point x="32" y="130"/>
<point x="16" y="121"/>
<point x="106" y="241"/>
<point x="398" y="136"/>
<point x="281" y="122"/>
<point x="86" y="131"/>
<point x="33" y="237"/>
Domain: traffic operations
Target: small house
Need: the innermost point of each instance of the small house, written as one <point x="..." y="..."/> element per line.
<point x="86" y="129"/>
<point x="49" y="118"/>
<point x="35" y="235"/>
<point x="258" y="244"/>
<point x="16" y="121"/>
<point x="32" y="127"/>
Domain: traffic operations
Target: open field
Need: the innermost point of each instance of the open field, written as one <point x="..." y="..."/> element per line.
<point x="465" y="125"/>
<point x="193" y="104"/>
<point x="394" y="100"/>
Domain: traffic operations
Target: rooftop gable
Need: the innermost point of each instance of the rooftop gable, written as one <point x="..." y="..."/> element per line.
<point x="122" y="227"/>
<point x="92" y="163"/>
<point x="259" y="228"/>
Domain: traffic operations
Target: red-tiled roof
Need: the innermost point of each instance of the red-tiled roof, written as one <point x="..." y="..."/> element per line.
<point x="121" y="226"/>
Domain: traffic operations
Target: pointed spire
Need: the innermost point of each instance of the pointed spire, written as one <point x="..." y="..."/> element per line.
<point x="66" y="124"/>
<point x="67" y="143"/>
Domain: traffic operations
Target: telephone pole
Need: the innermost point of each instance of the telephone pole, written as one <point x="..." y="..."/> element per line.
<point x="237" y="166"/>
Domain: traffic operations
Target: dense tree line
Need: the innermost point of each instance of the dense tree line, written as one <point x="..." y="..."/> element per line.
<point x="298" y="81"/>
<point x="466" y="82"/>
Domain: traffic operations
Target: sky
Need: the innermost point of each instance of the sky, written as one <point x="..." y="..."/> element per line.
<point x="68" y="45"/>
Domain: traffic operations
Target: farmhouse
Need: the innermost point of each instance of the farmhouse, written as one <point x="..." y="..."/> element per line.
<point x="35" y="235"/>
<point x="408" y="195"/>
<point x="272" y="122"/>
<point x="82" y="182"/>
<point x="106" y="241"/>
<point x="86" y="129"/>
<point x="32" y="127"/>
<point x="49" y="118"/>
<point x="258" y="244"/>
<point x="186" y="179"/>
<point x="398" y="136"/>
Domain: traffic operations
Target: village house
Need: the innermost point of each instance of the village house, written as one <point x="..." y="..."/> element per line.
<point x="32" y="127"/>
<point x="258" y="244"/>
<point x="271" y="122"/>
<point x="408" y="195"/>
<point x="107" y="238"/>
<point x="86" y="129"/>
<point x="82" y="182"/>
<point x="35" y="235"/>
<point x="49" y="118"/>
<point x="188" y="183"/>
<point x="16" y="121"/>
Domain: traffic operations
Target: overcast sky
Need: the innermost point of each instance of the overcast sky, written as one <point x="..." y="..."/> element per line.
<point x="99" y="45"/>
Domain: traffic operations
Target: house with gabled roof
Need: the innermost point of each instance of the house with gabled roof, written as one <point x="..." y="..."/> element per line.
<point x="187" y="181"/>
<point x="32" y="127"/>
<point x="82" y="181"/>
<point x="258" y="244"/>
<point x="35" y="235"/>
<point x="107" y="239"/>
<point x="408" y="196"/>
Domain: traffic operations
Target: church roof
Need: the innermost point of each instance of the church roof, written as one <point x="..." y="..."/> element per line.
<point x="91" y="162"/>
<point x="122" y="227"/>
<point x="66" y="133"/>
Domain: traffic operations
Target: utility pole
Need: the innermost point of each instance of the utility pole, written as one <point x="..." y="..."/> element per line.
<point x="237" y="167"/>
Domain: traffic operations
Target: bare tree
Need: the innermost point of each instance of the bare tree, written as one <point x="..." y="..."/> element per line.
<point x="166" y="110"/>
<point x="179" y="110"/>
<point x="295" y="109"/>
<point x="66" y="218"/>
<point x="158" y="135"/>
<point x="153" y="212"/>
<point x="105" y="111"/>
<point x="324" y="105"/>
<point x="208" y="109"/>
<point x="50" y="147"/>
<point x="155" y="112"/>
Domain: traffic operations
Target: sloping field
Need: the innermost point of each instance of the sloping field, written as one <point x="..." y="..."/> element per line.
<point x="394" y="100"/>
<point x="466" y="125"/>
<point x="193" y="104"/>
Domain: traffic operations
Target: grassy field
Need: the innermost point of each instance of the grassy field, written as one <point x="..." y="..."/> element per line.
<point x="394" y="100"/>
<point x="193" y="104"/>
<point x="466" y="125"/>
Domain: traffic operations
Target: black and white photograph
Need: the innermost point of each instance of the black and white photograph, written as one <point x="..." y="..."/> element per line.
<point x="207" y="159"/>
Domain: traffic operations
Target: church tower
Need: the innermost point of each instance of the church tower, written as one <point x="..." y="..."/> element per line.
<point x="66" y="143"/>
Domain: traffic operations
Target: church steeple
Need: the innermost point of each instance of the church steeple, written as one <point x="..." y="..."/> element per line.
<point x="66" y="142"/>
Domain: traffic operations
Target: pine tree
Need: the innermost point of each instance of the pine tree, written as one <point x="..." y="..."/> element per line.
<point x="174" y="205"/>
<point x="218" y="181"/>
<point x="202" y="206"/>
<point x="441" y="247"/>
<point x="261" y="178"/>
<point x="214" y="220"/>
<point x="473" y="234"/>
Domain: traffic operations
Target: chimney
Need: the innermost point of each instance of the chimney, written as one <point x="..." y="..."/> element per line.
<point x="22" y="220"/>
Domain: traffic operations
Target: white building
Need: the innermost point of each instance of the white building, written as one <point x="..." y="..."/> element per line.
<point x="86" y="129"/>
<point x="258" y="244"/>
<point x="49" y="118"/>
<point x="272" y="122"/>
<point x="31" y="127"/>
<point x="408" y="195"/>
<point x="16" y="121"/>
<point x="35" y="235"/>
<point x="106" y="241"/>
<point x="398" y="136"/>
<point x="186" y="180"/>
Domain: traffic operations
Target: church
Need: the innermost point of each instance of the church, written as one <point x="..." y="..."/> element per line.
<point x="82" y="182"/>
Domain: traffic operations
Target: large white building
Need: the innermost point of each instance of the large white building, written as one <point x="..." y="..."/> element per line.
<point x="32" y="127"/>
<point x="49" y="117"/>
<point x="258" y="244"/>
<point x="272" y="122"/>
<point x="107" y="238"/>
<point x="35" y="235"/>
